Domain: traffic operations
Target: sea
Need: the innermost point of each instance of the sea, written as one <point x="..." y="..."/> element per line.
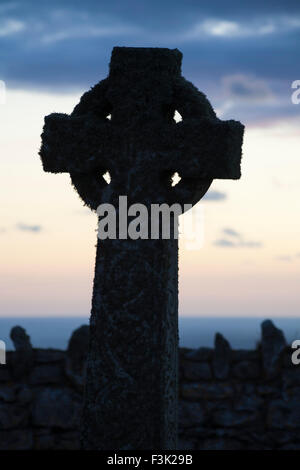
<point x="194" y="332"/>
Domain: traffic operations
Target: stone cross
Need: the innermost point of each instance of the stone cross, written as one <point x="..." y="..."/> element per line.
<point x="131" y="385"/>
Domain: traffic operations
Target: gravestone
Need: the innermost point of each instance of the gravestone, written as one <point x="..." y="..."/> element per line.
<point x="131" y="386"/>
<point x="22" y="360"/>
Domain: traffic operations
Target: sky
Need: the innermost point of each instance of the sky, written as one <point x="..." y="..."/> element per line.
<point x="244" y="56"/>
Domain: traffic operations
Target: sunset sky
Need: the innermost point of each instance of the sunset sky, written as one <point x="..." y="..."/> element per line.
<point x="244" y="58"/>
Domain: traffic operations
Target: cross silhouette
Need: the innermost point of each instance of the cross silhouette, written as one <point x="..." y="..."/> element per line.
<point x="131" y="386"/>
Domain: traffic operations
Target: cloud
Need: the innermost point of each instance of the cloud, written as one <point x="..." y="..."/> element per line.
<point x="248" y="92"/>
<point x="250" y="244"/>
<point x="10" y="27"/>
<point x="224" y="28"/>
<point x="255" y="98"/>
<point x="89" y="30"/>
<point x="284" y="258"/>
<point x="231" y="232"/>
<point x="29" y="228"/>
<point x="224" y="242"/>
<point x="247" y="88"/>
<point x="215" y="196"/>
<point x="287" y="258"/>
<point x="234" y="239"/>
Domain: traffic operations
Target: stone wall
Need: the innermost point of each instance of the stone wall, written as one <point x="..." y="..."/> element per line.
<point x="229" y="399"/>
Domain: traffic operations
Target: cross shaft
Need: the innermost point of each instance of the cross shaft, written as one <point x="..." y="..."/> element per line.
<point x="131" y="389"/>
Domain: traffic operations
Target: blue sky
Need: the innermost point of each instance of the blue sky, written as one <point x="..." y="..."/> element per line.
<point x="244" y="56"/>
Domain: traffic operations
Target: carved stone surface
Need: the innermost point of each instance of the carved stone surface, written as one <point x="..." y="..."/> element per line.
<point x="131" y="387"/>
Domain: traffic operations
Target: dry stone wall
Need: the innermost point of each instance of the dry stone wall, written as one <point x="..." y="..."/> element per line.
<point x="229" y="399"/>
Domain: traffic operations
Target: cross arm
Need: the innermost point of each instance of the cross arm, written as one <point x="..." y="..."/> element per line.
<point x="209" y="148"/>
<point x="73" y="143"/>
<point x="206" y="147"/>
